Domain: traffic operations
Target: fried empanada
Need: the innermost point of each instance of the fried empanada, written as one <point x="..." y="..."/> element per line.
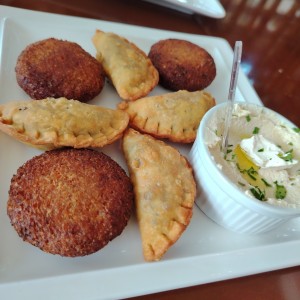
<point x="164" y="189"/>
<point x="175" y="116"/>
<point x="128" y="67"/>
<point x="52" y="123"/>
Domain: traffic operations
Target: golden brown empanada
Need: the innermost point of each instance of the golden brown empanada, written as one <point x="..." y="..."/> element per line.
<point x="164" y="189"/>
<point x="175" y="116"/>
<point x="128" y="67"/>
<point x="52" y="123"/>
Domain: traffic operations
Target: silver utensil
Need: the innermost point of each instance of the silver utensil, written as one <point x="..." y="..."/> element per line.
<point x="237" y="54"/>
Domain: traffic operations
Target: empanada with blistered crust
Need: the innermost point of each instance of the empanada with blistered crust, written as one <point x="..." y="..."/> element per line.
<point x="175" y="116"/>
<point x="128" y="67"/>
<point x="164" y="189"/>
<point x="53" y="123"/>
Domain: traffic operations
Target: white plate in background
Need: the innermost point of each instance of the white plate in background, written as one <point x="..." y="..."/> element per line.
<point x="205" y="252"/>
<point x="209" y="8"/>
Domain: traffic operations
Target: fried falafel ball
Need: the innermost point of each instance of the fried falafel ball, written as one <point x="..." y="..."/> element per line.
<point x="182" y="65"/>
<point x="70" y="202"/>
<point x="58" y="68"/>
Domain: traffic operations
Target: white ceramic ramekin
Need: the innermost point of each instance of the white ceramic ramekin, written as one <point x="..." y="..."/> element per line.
<point x="222" y="201"/>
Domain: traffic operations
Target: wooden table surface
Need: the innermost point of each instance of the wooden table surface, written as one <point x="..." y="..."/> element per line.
<point x="270" y="31"/>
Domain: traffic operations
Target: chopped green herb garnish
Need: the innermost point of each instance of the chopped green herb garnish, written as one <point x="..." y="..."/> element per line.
<point x="232" y="159"/>
<point x="250" y="172"/>
<point x="287" y="156"/>
<point x="261" y="150"/>
<point x="228" y="151"/>
<point x="248" y="118"/>
<point x="240" y="183"/>
<point x="291" y="144"/>
<point x="255" y="130"/>
<point x="258" y="193"/>
<point x="265" y="182"/>
<point x="280" y="192"/>
<point x="296" y="129"/>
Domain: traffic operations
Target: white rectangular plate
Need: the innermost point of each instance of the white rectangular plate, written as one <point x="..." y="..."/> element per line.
<point x="205" y="252"/>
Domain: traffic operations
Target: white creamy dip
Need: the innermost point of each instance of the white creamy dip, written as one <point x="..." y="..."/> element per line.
<point x="263" y="156"/>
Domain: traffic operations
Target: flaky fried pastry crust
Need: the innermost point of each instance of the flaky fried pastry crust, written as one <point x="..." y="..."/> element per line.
<point x="128" y="67"/>
<point x="164" y="189"/>
<point x="175" y="116"/>
<point x="52" y="123"/>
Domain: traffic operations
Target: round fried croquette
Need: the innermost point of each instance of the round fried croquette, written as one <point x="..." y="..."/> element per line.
<point x="70" y="202"/>
<point x="182" y="65"/>
<point x="57" y="68"/>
